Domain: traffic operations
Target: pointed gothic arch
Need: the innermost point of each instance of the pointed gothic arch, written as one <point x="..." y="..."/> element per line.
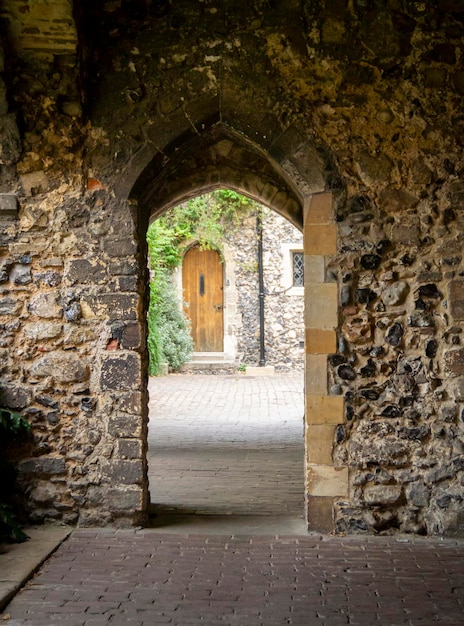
<point x="288" y="177"/>
<point x="218" y="158"/>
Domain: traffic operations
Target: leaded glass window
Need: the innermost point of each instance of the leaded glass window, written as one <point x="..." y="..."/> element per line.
<point x="298" y="269"/>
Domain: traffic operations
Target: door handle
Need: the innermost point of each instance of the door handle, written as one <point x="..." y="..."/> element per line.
<point x="218" y="307"/>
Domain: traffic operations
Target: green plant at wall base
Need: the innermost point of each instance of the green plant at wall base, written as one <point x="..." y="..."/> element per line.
<point x="13" y="427"/>
<point x="12" y="424"/>
<point x="169" y="339"/>
<point x="155" y="352"/>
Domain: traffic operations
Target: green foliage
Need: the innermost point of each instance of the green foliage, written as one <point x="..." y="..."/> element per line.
<point x="169" y="339"/>
<point x="155" y="350"/>
<point x="163" y="245"/>
<point x="12" y="427"/>
<point x="203" y="219"/>
<point x="10" y="528"/>
<point x="12" y="424"/>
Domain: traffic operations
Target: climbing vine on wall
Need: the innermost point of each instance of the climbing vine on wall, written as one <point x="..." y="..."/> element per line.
<point x="204" y="219"/>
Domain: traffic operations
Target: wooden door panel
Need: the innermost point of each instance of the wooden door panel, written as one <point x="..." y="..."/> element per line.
<point x="202" y="281"/>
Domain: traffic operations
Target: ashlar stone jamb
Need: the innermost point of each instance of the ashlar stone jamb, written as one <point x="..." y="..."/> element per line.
<point x="324" y="483"/>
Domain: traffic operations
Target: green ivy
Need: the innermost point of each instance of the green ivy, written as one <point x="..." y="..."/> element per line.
<point x="204" y="218"/>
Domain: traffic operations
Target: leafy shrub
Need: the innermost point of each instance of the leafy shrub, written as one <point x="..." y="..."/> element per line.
<point x="13" y="427"/>
<point x="155" y="350"/>
<point x="169" y="339"/>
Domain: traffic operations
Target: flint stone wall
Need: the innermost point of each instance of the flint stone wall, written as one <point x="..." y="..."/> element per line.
<point x="283" y="310"/>
<point x="361" y="100"/>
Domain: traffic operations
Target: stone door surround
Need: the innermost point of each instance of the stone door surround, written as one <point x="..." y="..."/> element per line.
<point x="268" y="181"/>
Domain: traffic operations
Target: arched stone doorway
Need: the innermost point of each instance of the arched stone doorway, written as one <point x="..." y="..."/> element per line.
<point x="260" y="324"/>
<point x="292" y="184"/>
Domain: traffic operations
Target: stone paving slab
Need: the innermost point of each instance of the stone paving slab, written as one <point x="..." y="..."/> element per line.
<point x="18" y="561"/>
<point x="143" y="578"/>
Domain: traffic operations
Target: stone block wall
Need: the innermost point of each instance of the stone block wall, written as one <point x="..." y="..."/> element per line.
<point x="359" y="100"/>
<point x="326" y="480"/>
<point x="72" y="334"/>
<point x="74" y="363"/>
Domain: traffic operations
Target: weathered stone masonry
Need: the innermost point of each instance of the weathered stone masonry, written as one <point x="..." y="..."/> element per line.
<point x="344" y="117"/>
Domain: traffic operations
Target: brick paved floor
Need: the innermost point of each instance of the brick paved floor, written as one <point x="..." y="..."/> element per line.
<point x="238" y="578"/>
<point x="142" y="578"/>
<point x="227" y="444"/>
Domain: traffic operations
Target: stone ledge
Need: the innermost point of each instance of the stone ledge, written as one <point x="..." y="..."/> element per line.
<point x="267" y="370"/>
<point x="20" y="561"/>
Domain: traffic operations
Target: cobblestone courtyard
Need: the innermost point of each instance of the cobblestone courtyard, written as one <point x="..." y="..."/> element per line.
<point x="227" y="444"/>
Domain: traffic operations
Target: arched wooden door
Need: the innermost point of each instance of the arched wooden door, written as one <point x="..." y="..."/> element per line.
<point x="202" y="281"/>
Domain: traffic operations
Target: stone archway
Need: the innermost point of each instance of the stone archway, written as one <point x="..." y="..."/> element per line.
<point x="151" y="101"/>
<point x="217" y="158"/>
<point x="220" y="157"/>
